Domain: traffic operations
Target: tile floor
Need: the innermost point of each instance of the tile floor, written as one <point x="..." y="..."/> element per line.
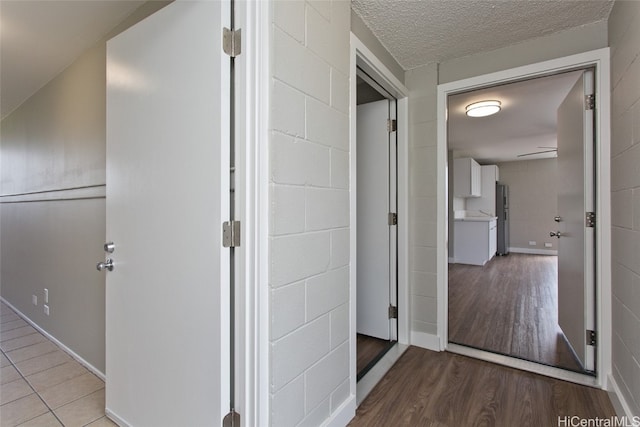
<point x="41" y="385"/>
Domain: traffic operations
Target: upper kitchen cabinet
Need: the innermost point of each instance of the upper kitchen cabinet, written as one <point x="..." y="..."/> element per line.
<point x="486" y="203"/>
<point x="467" y="178"/>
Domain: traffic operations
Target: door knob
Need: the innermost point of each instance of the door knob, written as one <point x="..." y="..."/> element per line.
<point x="557" y="218"/>
<point x="555" y="234"/>
<point x="106" y="265"/>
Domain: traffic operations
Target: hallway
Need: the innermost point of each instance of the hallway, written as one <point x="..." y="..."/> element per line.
<point x="40" y="384"/>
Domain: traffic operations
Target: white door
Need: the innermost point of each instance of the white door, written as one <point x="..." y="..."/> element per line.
<point x="167" y="308"/>
<point x="373" y="232"/>
<point x="576" y="288"/>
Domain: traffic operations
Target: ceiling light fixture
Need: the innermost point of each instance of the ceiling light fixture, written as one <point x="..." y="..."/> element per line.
<point x="483" y="108"/>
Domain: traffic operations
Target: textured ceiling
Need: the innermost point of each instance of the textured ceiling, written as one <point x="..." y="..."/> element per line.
<point x="41" y="38"/>
<point x="427" y="31"/>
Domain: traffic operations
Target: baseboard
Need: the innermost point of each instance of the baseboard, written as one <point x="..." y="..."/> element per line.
<point x="53" y="339"/>
<point x="620" y="404"/>
<point x="116" y="419"/>
<point x="533" y="251"/>
<point x="343" y="414"/>
<point x="424" y="340"/>
<point x="452" y="260"/>
<point x="373" y="377"/>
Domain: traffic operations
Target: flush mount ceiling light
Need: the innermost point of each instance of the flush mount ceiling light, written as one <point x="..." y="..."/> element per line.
<point x="483" y="108"/>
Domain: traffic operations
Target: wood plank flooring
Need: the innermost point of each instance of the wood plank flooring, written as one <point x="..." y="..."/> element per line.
<point x="509" y="306"/>
<point x="368" y="349"/>
<point x="426" y="388"/>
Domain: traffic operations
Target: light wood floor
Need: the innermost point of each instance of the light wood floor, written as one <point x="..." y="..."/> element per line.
<point x="509" y="306"/>
<point x="426" y="388"/>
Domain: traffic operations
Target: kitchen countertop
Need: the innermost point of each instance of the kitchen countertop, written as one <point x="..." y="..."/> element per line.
<point x="477" y="218"/>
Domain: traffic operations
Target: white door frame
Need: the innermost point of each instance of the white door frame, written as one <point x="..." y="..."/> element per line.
<point x="362" y="57"/>
<point x="252" y="209"/>
<point x="600" y="60"/>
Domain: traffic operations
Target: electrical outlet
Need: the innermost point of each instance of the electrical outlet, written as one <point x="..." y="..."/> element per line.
<point x="532" y="243"/>
<point x="548" y="245"/>
<point x="46" y="296"/>
<point x="46" y="309"/>
<point x="34" y="299"/>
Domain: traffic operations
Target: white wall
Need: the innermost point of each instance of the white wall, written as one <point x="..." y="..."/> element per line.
<point x="53" y="145"/>
<point x="309" y="213"/>
<point x="624" y="35"/>
<point x="533" y="202"/>
<point x="422" y="83"/>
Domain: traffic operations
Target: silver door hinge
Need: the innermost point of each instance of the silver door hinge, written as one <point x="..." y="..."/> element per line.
<point x="392" y="125"/>
<point x="231" y="234"/>
<point x="589" y="102"/>
<point x="393" y="312"/>
<point x="232" y="419"/>
<point x="592" y="338"/>
<point x="393" y="218"/>
<point x="232" y="41"/>
<point x="590" y="219"/>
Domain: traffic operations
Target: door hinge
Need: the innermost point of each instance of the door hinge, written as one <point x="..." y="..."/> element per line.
<point x="392" y="125"/>
<point x="393" y="218"/>
<point x="231" y="234"/>
<point x="590" y="219"/>
<point x="393" y="312"/>
<point x="592" y="338"/>
<point x="589" y="102"/>
<point x="232" y="41"/>
<point x="232" y="419"/>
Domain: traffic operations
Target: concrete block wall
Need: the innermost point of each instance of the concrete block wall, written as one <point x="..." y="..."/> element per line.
<point x="624" y="39"/>
<point x="422" y="84"/>
<point x="309" y="212"/>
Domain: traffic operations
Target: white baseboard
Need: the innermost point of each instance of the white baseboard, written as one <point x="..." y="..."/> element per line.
<point x="452" y="260"/>
<point x="373" y="377"/>
<point x="343" y="414"/>
<point x="424" y="340"/>
<point x="116" y="419"/>
<point x="533" y="251"/>
<point x="53" y="339"/>
<point x="620" y="404"/>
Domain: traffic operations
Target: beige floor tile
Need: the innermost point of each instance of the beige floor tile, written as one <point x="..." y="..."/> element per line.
<point x="32" y="351"/>
<point x="8" y="317"/>
<point x="14" y="324"/>
<point x="71" y="390"/>
<point x="14" y="391"/>
<point x="82" y="411"/>
<point x="8" y="374"/>
<point x="21" y="410"/>
<point x="45" y="420"/>
<point x="21" y="342"/>
<point x="56" y="375"/>
<point x="4" y="361"/>
<point x="17" y="333"/>
<point x="40" y="363"/>
<point x="102" y="422"/>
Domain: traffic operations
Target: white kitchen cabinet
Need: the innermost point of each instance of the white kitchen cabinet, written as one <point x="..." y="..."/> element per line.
<point x="467" y="178"/>
<point x="487" y="201"/>
<point x="475" y="240"/>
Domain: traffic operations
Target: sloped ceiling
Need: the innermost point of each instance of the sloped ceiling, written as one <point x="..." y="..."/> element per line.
<point x="427" y="31"/>
<point x="38" y="39"/>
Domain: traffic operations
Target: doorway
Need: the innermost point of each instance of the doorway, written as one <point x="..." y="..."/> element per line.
<point x="376" y="227"/>
<point x="599" y="267"/>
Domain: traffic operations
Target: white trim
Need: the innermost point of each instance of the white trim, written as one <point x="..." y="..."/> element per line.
<point x="115" y="418"/>
<point x="57" y="342"/>
<point x="600" y="60"/>
<point x="533" y="251"/>
<point x="523" y="365"/>
<point x="341" y="416"/>
<point x="252" y="145"/>
<point x="618" y="400"/>
<point x="361" y="56"/>
<point x="425" y="340"/>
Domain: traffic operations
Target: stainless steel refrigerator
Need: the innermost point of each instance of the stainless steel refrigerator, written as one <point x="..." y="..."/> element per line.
<point x="502" y="212"/>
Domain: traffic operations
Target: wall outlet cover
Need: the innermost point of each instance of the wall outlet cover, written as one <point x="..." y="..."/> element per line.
<point x="548" y="245"/>
<point x="532" y="243"/>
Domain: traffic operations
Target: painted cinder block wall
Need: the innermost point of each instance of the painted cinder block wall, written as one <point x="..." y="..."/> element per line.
<point x="309" y="210"/>
<point x="624" y="39"/>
